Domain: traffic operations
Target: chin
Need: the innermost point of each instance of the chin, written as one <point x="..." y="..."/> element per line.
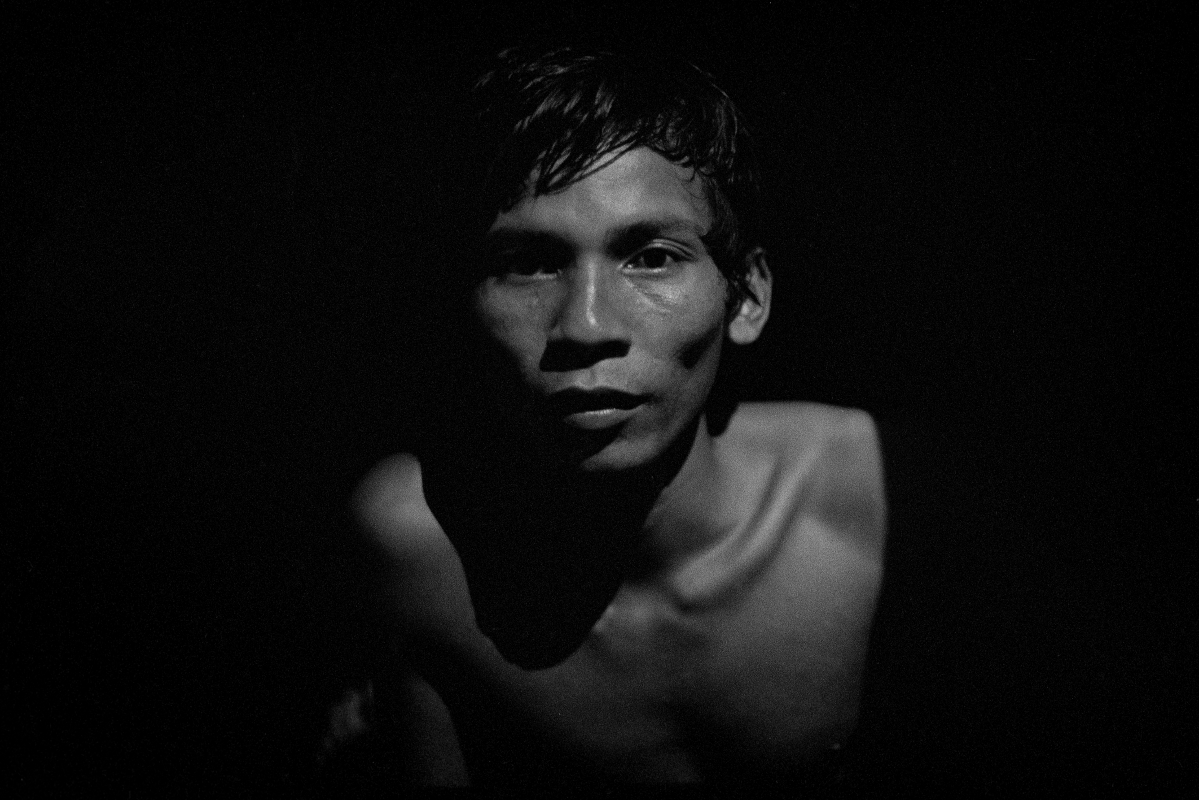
<point x="612" y="456"/>
<point x="624" y="453"/>
<point x="606" y="462"/>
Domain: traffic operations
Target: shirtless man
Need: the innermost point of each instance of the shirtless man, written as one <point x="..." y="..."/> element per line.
<point x="598" y="578"/>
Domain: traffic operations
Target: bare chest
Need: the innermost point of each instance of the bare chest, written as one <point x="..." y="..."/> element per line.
<point x="766" y="684"/>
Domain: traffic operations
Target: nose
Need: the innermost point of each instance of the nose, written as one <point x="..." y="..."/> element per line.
<point x="589" y="324"/>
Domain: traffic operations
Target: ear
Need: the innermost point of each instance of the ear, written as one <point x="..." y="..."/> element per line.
<point x="749" y="318"/>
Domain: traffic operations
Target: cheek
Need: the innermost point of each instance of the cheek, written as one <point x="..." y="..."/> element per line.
<point x="689" y="327"/>
<point x="511" y="322"/>
<point x="702" y="351"/>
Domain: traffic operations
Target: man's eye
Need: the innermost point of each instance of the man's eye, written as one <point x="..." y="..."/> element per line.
<point x="654" y="258"/>
<point x="525" y="265"/>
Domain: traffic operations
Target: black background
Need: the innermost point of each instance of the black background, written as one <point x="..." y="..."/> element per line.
<point x="217" y="281"/>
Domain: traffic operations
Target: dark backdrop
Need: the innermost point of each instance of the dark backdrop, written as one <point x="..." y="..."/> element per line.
<point x="216" y="291"/>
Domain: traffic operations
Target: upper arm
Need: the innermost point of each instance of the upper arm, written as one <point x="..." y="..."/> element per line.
<point x="423" y="574"/>
<point x="427" y="737"/>
<point x="390" y="506"/>
<point x="422" y="590"/>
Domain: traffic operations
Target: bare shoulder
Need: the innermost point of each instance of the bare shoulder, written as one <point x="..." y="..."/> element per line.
<point x="425" y="578"/>
<point x="831" y="457"/>
<point x="815" y="547"/>
<point x="389" y="504"/>
<point x="799" y="426"/>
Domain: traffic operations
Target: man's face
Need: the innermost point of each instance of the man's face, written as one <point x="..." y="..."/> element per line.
<point x="608" y="309"/>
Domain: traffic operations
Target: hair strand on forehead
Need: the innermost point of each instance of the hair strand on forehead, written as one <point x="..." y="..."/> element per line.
<point x="551" y="119"/>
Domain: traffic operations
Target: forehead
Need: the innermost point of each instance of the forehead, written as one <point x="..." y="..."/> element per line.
<point x="637" y="185"/>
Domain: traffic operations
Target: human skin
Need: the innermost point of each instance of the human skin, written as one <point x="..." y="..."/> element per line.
<point x="735" y="663"/>
<point x="707" y="599"/>
<point x="608" y="284"/>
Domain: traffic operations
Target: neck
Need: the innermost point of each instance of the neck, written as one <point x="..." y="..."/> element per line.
<point x="670" y="511"/>
<point x="685" y="518"/>
<point x="659" y="516"/>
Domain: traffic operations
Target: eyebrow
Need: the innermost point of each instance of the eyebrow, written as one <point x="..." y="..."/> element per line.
<point x="630" y="237"/>
<point x="523" y="238"/>
<point x="622" y="239"/>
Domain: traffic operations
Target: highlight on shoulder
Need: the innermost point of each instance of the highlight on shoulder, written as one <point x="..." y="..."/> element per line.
<point x="837" y="450"/>
<point x="390" y="506"/>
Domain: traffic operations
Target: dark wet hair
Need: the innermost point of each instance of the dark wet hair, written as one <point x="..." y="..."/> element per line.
<point x="548" y="119"/>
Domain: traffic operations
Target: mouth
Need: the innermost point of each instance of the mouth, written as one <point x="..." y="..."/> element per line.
<point x="594" y="409"/>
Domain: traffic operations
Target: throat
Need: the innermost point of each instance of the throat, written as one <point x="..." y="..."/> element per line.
<point x="688" y="516"/>
<point x="658" y="518"/>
